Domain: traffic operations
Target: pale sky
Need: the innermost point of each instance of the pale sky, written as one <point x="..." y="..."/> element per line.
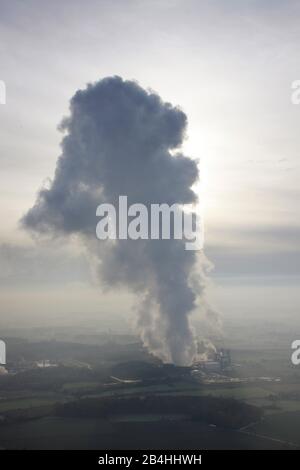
<point x="229" y="64"/>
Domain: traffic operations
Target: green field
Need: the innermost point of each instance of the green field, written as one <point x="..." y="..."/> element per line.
<point x="80" y="386"/>
<point x="74" y="433"/>
<point x="285" y="426"/>
<point x="24" y="403"/>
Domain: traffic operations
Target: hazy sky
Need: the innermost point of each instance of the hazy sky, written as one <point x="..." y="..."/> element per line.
<point x="228" y="63"/>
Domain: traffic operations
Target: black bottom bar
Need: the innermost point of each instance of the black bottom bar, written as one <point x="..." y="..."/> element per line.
<point x="133" y="459"/>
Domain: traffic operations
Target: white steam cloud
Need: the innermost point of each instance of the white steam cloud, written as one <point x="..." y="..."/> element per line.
<point x="120" y="140"/>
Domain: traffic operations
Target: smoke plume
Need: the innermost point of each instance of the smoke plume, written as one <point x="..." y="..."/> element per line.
<point x="121" y="140"/>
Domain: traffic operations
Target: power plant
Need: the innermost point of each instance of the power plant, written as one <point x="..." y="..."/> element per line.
<point x="219" y="361"/>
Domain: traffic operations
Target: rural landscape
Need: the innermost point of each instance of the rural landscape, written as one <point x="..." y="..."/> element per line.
<point x="102" y="390"/>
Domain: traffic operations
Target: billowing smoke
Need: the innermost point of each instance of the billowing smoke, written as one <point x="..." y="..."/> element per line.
<point x="121" y="140"/>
